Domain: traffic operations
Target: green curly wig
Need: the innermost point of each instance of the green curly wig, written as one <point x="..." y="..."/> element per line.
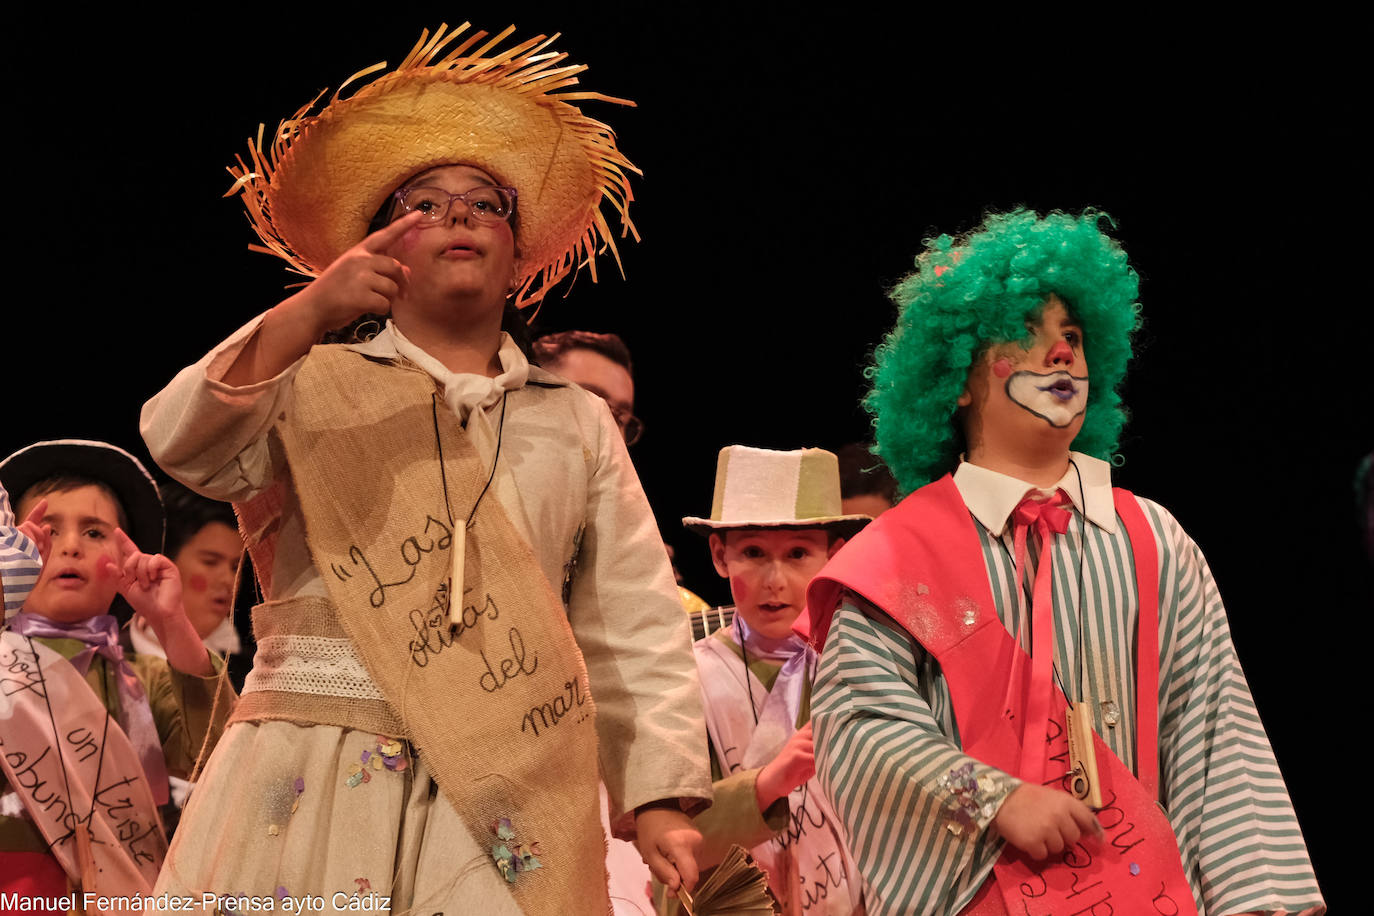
<point x="970" y="292"/>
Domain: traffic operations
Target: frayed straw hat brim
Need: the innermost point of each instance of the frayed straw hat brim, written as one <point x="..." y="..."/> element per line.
<point x="312" y="191"/>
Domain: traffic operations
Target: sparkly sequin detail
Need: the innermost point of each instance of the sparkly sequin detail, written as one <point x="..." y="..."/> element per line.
<point x="973" y="801"/>
<point x="511" y="856"/>
<point x="387" y="755"/>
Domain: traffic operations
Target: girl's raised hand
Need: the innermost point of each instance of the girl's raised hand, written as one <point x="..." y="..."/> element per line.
<point x="365" y="278"/>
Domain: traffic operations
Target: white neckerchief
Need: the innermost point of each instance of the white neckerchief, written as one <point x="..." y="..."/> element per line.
<point x="462" y="391"/>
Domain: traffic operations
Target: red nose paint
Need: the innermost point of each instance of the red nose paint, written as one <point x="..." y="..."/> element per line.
<point x="197" y="583"/>
<point x="1060" y="352"/>
<point x="1002" y="368"/>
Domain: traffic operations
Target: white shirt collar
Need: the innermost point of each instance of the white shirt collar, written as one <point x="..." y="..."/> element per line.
<point x="223" y="638"/>
<point x="462" y="391"/>
<point x="991" y="497"/>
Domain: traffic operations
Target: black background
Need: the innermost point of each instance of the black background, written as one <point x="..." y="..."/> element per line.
<point x="793" y="165"/>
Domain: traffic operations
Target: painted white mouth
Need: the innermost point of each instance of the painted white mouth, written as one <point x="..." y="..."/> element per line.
<point x="1055" y="397"/>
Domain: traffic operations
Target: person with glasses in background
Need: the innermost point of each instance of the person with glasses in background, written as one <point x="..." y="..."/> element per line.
<point x="599" y="363"/>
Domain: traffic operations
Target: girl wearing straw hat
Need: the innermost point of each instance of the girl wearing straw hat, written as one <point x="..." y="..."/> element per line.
<point x="459" y="568"/>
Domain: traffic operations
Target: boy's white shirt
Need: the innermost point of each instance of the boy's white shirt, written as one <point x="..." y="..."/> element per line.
<point x="991" y="496"/>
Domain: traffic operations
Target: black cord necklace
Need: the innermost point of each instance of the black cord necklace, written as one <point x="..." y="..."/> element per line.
<point x="459" y="535"/>
<point x="748" y="681"/>
<point x="443" y="475"/>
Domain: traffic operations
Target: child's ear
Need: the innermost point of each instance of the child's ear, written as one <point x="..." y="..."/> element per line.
<point x="717" y="544"/>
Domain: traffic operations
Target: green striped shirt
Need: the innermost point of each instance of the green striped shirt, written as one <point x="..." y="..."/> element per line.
<point x="886" y="739"/>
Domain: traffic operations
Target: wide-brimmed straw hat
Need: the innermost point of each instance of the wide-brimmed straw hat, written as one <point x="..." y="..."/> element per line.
<point x="313" y="187"/>
<point x="762" y="488"/>
<point x="111" y="465"/>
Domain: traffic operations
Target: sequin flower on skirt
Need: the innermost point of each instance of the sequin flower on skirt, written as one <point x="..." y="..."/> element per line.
<point x="511" y="856"/>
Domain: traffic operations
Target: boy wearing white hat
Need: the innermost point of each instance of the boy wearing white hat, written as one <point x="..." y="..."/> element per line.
<point x="775" y="520"/>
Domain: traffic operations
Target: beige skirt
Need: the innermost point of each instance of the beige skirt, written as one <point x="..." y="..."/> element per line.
<point x="282" y="811"/>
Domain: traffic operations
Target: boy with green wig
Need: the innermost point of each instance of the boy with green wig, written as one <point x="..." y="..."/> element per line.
<point x="1028" y="700"/>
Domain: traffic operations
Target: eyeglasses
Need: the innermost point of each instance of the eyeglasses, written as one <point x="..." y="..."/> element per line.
<point x="485" y="203"/>
<point x="631" y="427"/>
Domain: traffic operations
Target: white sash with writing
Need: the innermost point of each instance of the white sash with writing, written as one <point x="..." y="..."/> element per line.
<point x="808" y="866"/>
<point x="76" y="772"/>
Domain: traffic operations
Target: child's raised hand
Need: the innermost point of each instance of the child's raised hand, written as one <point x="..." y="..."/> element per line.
<point x="149" y="582"/>
<point x="36" y="531"/>
<point x="1041" y="821"/>
<point x="794" y="765"/>
<point x="152" y="585"/>
<point x="363" y="279"/>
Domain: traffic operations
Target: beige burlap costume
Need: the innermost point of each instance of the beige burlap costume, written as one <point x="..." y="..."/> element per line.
<point x="275" y="808"/>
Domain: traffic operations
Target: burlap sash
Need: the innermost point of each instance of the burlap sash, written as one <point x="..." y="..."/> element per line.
<point x="500" y="707"/>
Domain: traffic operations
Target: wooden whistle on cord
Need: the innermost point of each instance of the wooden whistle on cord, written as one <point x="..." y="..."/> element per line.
<point x="1083" y="782"/>
<point x="460" y="556"/>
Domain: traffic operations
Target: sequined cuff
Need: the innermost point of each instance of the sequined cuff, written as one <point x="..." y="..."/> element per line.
<point x="976" y="794"/>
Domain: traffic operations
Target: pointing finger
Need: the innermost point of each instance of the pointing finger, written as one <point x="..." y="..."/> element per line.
<point x="124" y="545"/>
<point x="35" y="516"/>
<point x="388" y="235"/>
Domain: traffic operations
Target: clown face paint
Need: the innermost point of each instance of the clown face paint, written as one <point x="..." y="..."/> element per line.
<point x="1027" y="399"/>
<point x="1055" y="397"/>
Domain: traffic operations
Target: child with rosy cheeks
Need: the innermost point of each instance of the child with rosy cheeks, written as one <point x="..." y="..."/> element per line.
<point x="93" y="560"/>
<point x="78" y="499"/>
<point x="203" y="541"/>
<point x="776" y="520"/>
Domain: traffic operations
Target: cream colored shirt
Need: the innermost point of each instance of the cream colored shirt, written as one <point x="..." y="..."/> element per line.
<point x="563" y="468"/>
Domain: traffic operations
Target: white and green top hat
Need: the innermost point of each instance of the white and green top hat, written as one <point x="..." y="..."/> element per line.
<point x="762" y="488"/>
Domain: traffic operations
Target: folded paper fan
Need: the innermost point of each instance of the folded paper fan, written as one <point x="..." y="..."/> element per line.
<point x="738" y="887"/>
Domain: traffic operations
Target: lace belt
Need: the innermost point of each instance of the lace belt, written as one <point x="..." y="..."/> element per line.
<point x="319" y="665"/>
<point x="307" y="670"/>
